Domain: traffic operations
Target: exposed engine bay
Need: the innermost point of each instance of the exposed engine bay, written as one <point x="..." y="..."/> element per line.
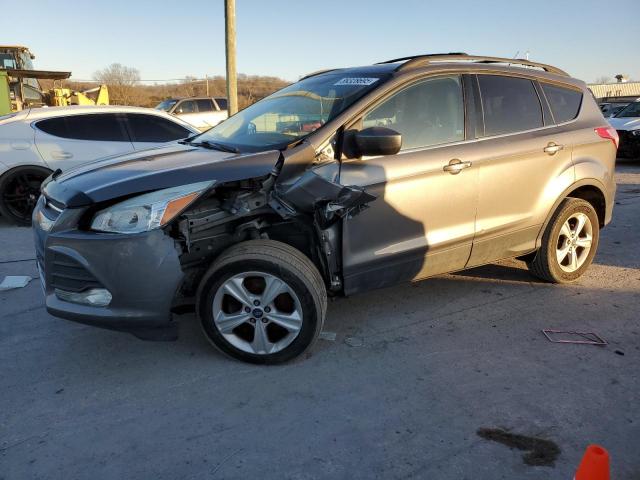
<point x="305" y="214"/>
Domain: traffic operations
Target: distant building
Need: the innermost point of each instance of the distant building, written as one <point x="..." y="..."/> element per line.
<point x="619" y="91"/>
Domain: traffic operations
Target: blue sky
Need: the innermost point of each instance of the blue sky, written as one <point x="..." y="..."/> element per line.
<point x="166" y="39"/>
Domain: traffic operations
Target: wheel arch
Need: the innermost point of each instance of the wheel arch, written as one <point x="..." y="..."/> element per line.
<point x="294" y="232"/>
<point x="590" y="190"/>
<point x="13" y="169"/>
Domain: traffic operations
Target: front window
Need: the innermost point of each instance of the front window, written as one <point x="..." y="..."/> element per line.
<point x="293" y="112"/>
<point x="166" y="105"/>
<point x="7" y="61"/>
<point x="631" y="110"/>
<point x="187" y="106"/>
<point x="430" y="112"/>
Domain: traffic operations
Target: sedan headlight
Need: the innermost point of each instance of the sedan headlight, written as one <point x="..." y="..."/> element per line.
<point x="636" y="133"/>
<point x="148" y="211"/>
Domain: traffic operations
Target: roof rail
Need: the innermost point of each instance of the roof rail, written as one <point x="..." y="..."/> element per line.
<point x="424" y="60"/>
<point x="427" y="55"/>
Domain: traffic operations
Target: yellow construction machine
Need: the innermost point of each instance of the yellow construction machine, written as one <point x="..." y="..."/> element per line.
<point x="20" y="84"/>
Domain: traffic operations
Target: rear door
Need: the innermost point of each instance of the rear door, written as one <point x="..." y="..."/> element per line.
<point x="71" y="140"/>
<point x="151" y="130"/>
<point x="524" y="162"/>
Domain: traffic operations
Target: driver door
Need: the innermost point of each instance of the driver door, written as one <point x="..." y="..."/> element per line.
<point x="423" y="220"/>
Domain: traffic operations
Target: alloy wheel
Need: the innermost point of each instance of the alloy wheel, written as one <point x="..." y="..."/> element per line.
<point x="574" y="242"/>
<point x="257" y="312"/>
<point x="21" y="194"/>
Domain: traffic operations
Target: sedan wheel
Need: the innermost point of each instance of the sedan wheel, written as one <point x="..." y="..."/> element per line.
<point x="19" y="192"/>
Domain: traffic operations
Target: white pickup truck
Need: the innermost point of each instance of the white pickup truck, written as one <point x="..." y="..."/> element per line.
<point x="200" y="112"/>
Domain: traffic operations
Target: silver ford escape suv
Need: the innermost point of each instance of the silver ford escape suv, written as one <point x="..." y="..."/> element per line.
<point x="348" y="180"/>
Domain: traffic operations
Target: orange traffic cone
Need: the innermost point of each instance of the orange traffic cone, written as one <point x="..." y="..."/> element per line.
<point x="594" y="464"/>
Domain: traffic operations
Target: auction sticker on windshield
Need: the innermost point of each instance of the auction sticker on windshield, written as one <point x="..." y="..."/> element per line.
<point x="356" y="81"/>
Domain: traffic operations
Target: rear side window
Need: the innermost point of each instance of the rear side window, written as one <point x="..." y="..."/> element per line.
<point x="205" y="105"/>
<point x="150" y="128"/>
<point x="509" y="104"/>
<point x="564" y="102"/>
<point x="105" y="127"/>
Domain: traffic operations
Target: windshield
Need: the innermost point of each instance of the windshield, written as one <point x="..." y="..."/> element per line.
<point x="631" y="110"/>
<point x="166" y="105"/>
<point x="293" y="112"/>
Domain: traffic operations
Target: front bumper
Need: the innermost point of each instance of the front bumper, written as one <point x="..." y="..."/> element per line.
<point x="629" y="146"/>
<point x="142" y="272"/>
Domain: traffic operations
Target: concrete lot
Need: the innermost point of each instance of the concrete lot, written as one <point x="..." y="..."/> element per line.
<point x="413" y="373"/>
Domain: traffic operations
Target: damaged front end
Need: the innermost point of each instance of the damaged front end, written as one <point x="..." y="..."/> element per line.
<point x="304" y="211"/>
<point x="88" y="248"/>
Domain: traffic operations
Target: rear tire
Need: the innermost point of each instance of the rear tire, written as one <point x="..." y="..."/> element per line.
<point x="569" y="243"/>
<point x="19" y="192"/>
<point x="262" y="301"/>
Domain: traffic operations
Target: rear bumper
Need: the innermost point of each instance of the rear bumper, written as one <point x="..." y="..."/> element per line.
<point x="141" y="272"/>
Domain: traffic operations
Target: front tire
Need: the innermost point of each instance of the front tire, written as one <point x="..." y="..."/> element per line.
<point x="262" y="302"/>
<point x="569" y="243"/>
<point x="19" y="192"/>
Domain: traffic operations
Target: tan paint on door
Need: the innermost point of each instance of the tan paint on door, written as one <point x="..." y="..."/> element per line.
<point x="518" y="184"/>
<point x="422" y="215"/>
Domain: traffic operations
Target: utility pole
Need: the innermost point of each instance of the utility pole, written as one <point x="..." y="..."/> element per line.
<point x="230" y="50"/>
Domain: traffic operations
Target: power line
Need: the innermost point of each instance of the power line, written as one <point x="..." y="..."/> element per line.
<point x="184" y="80"/>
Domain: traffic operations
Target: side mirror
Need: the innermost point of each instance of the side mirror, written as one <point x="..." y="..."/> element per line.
<point x="375" y="141"/>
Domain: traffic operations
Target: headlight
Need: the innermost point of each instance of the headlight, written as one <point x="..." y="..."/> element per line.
<point x="148" y="211"/>
<point x="636" y="133"/>
<point x="44" y="222"/>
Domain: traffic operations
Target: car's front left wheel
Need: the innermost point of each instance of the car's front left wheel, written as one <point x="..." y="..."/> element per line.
<point x="262" y="301"/>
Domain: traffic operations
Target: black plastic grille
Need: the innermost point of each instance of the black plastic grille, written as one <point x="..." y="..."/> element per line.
<point x="68" y="274"/>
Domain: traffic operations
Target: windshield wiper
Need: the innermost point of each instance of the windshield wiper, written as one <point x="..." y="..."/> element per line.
<point x="215" y="146"/>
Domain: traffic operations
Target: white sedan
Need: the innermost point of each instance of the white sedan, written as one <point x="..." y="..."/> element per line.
<point x="35" y="142"/>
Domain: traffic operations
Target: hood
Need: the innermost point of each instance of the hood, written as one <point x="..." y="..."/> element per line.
<point x="154" y="169"/>
<point x="624" y="123"/>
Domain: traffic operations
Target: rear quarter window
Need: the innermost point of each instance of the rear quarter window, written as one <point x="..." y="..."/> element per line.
<point x="96" y="127"/>
<point x="564" y="102"/>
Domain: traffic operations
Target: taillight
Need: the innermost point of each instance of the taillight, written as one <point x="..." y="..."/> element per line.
<point x="609" y="133"/>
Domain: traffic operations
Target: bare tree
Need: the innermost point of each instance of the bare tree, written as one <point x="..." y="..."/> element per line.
<point x="121" y="81"/>
<point x="603" y="79"/>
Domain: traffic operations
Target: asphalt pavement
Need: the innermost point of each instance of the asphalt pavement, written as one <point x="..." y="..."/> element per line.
<point x="414" y="374"/>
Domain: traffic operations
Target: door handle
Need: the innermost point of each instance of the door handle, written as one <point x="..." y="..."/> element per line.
<point x="20" y="145"/>
<point x="455" y="166"/>
<point x="61" y="155"/>
<point x="553" y="148"/>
